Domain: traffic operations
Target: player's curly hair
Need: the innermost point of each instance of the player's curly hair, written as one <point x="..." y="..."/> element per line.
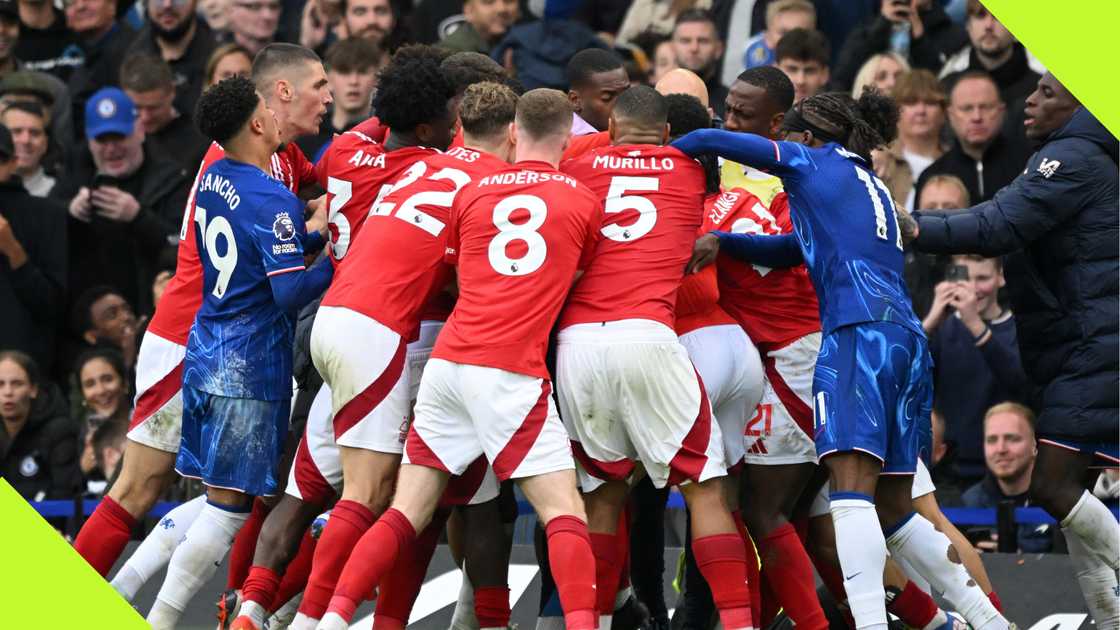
<point x="225" y="108"/>
<point x="861" y="126"/>
<point x="412" y="90"/>
<point x="487" y="108"/>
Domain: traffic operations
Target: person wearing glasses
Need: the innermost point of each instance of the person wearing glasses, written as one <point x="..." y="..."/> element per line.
<point x="984" y="156"/>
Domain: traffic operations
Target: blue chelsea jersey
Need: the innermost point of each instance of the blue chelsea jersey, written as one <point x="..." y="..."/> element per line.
<point x="248" y="228"/>
<point x="844" y="221"/>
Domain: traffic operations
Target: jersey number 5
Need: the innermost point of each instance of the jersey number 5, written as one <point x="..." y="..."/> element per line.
<point x="618" y="201"/>
<point x="209" y="232"/>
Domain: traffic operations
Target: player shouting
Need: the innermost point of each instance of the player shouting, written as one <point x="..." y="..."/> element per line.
<point x="238" y="366"/>
<point x="872" y="387"/>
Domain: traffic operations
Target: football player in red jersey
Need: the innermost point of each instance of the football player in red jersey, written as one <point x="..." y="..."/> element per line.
<point x="518" y="237"/>
<point x="419" y="106"/>
<point x="294" y="86"/>
<point x="618" y="320"/>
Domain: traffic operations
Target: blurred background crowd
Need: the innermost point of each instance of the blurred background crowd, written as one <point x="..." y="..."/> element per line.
<point x="98" y="151"/>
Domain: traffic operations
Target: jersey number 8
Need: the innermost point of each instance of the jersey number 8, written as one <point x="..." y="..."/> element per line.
<point x="510" y="232"/>
<point x="224" y="264"/>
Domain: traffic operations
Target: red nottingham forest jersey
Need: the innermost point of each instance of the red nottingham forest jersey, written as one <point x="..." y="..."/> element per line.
<point x="356" y="171"/>
<point x="517" y="236"/>
<point x="774" y="306"/>
<point x="397" y="266"/>
<point x="176" y="309"/>
<point x="653" y="204"/>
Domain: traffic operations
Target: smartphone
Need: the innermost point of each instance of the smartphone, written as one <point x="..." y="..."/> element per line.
<point x="101" y="179"/>
<point x="957" y="273"/>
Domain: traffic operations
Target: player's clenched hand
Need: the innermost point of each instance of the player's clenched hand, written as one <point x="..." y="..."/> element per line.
<point x="907" y="225"/>
<point x="317" y="222"/>
<point x="704" y="252"/>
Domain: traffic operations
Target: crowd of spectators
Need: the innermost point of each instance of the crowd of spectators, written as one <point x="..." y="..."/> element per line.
<point x="98" y="150"/>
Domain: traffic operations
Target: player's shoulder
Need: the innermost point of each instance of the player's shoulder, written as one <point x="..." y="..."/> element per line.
<point x="474" y="162"/>
<point x="727" y="204"/>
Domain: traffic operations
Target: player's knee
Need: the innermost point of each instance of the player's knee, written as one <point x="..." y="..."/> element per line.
<point x="1052" y="493"/>
<point x="138" y="492"/>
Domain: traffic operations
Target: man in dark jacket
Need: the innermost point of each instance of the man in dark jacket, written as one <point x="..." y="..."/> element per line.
<point x="983" y="156"/>
<point x="176" y="34"/>
<point x="1057" y="223"/>
<point x="32" y="264"/>
<point x="928" y="38"/>
<point x="125" y="204"/>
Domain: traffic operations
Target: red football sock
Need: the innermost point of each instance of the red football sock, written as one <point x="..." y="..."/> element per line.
<point x="791" y="577"/>
<point x="605" y="549"/>
<point x="244" y="546"/>
<point x="722" y="562"/>
<point x="260" y="586"/>
<point x="992" y="597"/>
<point x="400" y="586"/>
<point x="372" y="559"/>
<point x="754" y="581"/>
<point x="295" y="576"/>
<point x="573" y="569"/>
<point x="348" y="521"/>
<point x="104" y="535"/>
<point x="491" y="606"/>
<point x="913" y="606"/>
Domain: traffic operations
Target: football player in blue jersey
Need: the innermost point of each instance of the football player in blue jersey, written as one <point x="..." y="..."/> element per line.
<point x="238" y="369"/>
<point x="872" y="387"/>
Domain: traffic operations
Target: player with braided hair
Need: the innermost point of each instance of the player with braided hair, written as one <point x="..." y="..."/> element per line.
<point x="872" y="389"/>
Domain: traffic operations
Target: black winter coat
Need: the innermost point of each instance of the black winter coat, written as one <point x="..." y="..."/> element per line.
<point x="1059" y="225"/>
<point x="942" y="38"/>
<point x="33" y="297"/>
<point x="42" y="461"/>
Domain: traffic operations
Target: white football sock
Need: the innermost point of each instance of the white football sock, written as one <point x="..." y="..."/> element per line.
<point x="1090" y="556"/>
<point x="332" y="621"/>
<point x="303" y="622"/>
<point x="464" y="618"/>
<point x="195" y="561"/>
<point x="1097" y="529"/>
<point x="863" y="556"/>
<point x="254" y="611"/>
<point x="933" y="555"/>
<point x="154" y="553"/>
<point x="912" y="573"/>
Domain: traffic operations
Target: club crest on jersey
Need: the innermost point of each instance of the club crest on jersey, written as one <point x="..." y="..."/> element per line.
<point x="283" y="228"/>
<point x="1048" y="167"/>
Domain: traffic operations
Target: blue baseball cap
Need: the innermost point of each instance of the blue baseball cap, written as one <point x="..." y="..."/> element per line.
<point x="110" y="110"/>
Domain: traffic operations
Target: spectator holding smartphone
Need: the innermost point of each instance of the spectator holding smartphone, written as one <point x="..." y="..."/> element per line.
<point x="976" y="357"/>
<point x="125" y="202"/>
<point x="918" y="30"/>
